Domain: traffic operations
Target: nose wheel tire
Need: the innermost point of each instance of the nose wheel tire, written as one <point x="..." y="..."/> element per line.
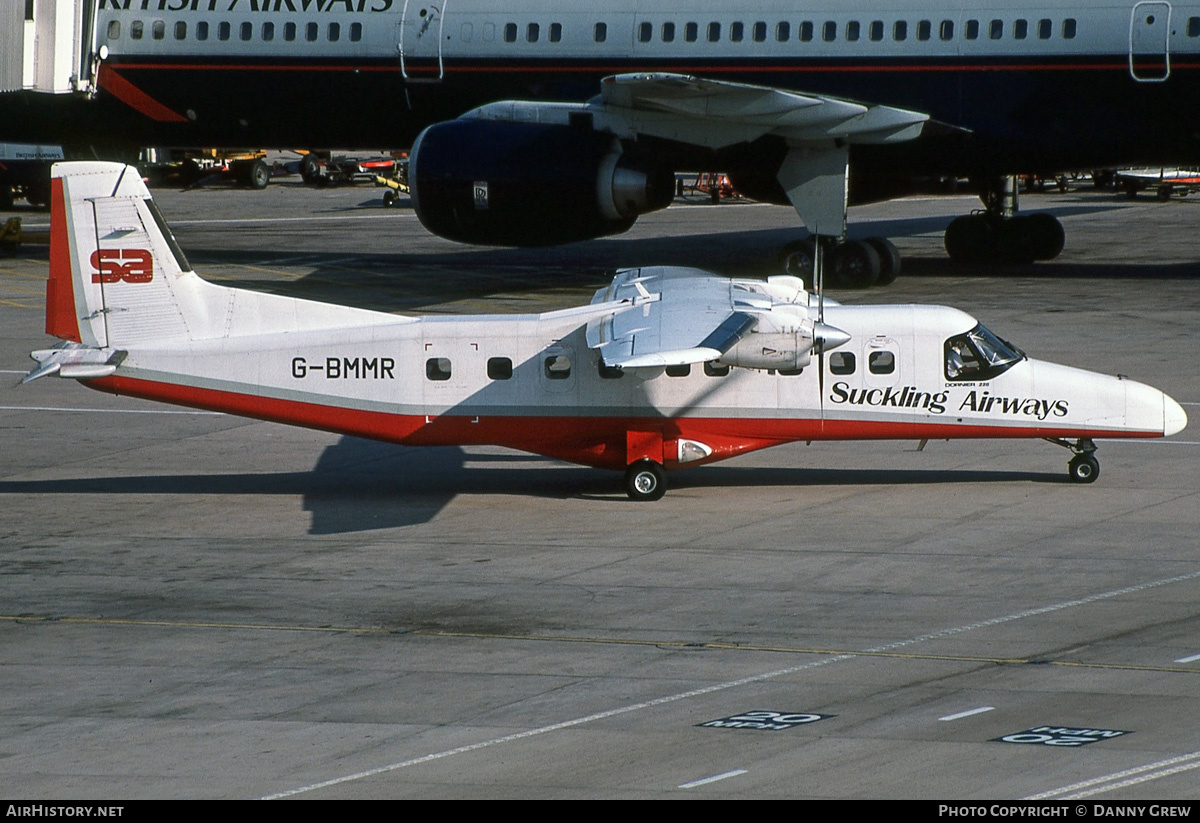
<point x="1083" y="468"/>
<point x="645" y="480"/>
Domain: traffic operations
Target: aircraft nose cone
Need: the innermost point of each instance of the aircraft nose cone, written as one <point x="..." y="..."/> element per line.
<point x="1174" y="417"/>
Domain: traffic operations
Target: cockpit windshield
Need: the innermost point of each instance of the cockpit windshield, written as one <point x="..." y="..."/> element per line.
<point x="979" y="355"/>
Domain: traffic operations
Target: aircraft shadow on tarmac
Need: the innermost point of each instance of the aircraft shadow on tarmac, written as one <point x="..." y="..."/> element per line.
<point x="408" y="281"/>
<point x="361" y="485"/>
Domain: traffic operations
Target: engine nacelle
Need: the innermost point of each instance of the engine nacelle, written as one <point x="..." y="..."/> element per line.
<point x="779" y="350"/>
<point x="528" y="184"/>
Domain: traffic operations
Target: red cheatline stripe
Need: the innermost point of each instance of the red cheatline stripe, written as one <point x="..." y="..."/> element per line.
<point x="132" y="96"/>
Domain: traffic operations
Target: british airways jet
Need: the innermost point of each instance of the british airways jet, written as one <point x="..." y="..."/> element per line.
<point x="542" y="121"/>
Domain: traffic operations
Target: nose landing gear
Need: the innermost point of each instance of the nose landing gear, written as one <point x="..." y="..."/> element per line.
<point x="1083" y="467"/>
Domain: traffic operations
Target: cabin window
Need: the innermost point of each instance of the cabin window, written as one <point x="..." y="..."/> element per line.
<point x="225" y="29"/>
<point x="875" y="32"/>
<point x="996" y="29"/>
<point x="510" y="32"/>
<point x="841" y="362"/>
<point x="946" y="30"/>
<point x="437" y="368"/>
<point x="852" y="30"/>
<point x="555" y="32"/>
<point x="532" y="32"/>
<point x="499" y="368"/>
<point x="202" y="31"/>
<point x="736" y="32"/>
<point x="335" y="32"/>
<point x="760" y="32"/>
<point x="881" y="362"/>
<point x="713" y="370"/>
<point x="783" y="32"/>
<point x="136" y="29"/>
<point x="972" y="30"/>
<point x="924" y="28"/>
<point x="645" y="32"/>
<point x="114" y="29"/>
<point x="600" y="32"/>
<point x="1044" y="29"/>
<point x="1068" y="28"/>
<point x="246" y="31"/>
<point x="1020" y="29"/>
<point x="289" y="31"/>
<point x="668" y="32"/>
<point x="829" y="31"/>
<point x="682" y="370"/>
<point x="268" y="32"/>
<point x="310" y="32"/>
<point x="180" y="30"/>
<point x="691" y="32"/>
<point x="806" y="31"/>
<point x="900" y="31"/>
<point x="356" y="32"/>
<point x="714" y="32"/>
<point x="159" y="30"/>
<point x="558" y="367"/>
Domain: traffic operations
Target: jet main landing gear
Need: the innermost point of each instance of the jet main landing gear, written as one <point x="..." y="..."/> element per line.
<point x="854" y="264"/>
<point x="1000" y="235"/>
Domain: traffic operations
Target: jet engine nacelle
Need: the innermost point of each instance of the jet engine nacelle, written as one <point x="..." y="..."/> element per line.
<point x="779" y="350"/>
<point x="529" y="184"/>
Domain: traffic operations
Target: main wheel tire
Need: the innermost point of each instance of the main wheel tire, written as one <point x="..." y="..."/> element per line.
<point x="889" y="260"/>
<point x="798" y="259"/>
<point x="971" y="239"/>
<point x="645" y="480"/>
<point x="1046" y="235"/>
<point x="855" y="265"/>
<point x="1084" y="468"/>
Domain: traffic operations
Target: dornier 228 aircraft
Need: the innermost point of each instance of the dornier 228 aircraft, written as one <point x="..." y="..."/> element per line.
<point x="577" y="114"/>
<point x="666" y="368"/>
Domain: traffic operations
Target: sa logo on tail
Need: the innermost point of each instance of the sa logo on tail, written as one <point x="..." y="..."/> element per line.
<point x="115" y="265"/>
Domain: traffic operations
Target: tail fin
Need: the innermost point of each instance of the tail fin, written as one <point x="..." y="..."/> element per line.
<point x="115" y="270"/>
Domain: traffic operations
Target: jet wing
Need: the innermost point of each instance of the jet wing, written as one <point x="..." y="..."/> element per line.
<point x="679" y="316"/>
<point x="717" y="113"/>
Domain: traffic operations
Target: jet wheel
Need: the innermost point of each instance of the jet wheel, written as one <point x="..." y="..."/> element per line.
<point x="1083" y="468"/>
<point x="645" y="480"/>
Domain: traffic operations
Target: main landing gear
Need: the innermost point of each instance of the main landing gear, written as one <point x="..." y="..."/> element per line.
<point x="645" y="480"/>
<point x="856" y="264"/>
<point x="1083" y="467"/>
<point x="1000" y="235"/>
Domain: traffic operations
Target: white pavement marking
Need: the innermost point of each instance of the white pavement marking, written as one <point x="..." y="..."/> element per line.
<point x="705" y="781"/>
<point x="718" y="687"/>
<point x="968" y="713"/>
<point x="1123" y="779"/>
<point x="1189" y="659"/>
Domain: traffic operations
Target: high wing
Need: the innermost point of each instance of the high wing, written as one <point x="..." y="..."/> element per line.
<point x="682" y="316"/>
<point x="714" y="114"/>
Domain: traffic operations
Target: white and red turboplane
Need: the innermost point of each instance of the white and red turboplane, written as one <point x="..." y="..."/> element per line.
<point x="665" y="368"/>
